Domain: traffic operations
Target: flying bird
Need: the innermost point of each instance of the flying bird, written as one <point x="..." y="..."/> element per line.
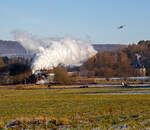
<point x="120" y="27"/>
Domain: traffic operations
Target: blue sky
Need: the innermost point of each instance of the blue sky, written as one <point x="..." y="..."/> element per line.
<point x="94" y="19"/>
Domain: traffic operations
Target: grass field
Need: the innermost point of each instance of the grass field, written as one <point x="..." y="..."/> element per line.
<point x="72" y="109"/>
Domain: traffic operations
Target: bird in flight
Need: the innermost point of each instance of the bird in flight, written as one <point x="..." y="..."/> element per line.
<point x="120" y="27"/>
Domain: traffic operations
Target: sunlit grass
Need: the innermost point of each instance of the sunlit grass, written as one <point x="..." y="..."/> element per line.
<point x="55" y="108"/>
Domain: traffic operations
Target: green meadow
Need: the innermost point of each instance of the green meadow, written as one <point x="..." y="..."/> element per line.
<point x="74" y="109"/>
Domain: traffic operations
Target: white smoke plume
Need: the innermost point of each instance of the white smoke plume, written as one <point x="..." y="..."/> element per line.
<point x="51" y="52"/>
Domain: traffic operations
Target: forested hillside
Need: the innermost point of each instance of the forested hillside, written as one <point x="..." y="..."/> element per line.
<point x="120" y="63"/>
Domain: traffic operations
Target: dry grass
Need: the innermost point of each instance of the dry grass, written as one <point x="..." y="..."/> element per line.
<point x="62" y="109"/>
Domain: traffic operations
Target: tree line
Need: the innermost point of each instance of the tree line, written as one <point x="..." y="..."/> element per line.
<point x="123" y="62"/>
<point x="120" y="63"/>
<point x="14" y="70"/>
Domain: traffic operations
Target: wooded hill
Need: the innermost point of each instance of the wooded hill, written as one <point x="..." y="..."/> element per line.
<point x="120" y="63"/>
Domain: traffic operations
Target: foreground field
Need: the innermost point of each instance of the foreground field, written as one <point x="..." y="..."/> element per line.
<point x="73" y="109"/>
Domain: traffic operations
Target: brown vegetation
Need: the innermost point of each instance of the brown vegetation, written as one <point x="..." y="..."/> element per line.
<point x="119" y="63"/>
<point x="61" y="76"/>
<point x="14" y="70"/>
<point x="109" y="64"/>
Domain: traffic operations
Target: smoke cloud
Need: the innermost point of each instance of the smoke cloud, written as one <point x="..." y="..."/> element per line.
<point x="51" y="52"/>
